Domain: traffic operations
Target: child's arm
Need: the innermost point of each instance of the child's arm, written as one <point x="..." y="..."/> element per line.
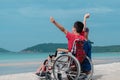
<point x="87" y="15"/>
<point x="58" y="25"/>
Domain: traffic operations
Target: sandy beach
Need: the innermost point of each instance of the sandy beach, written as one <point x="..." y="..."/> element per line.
<point x="109" y="71"/>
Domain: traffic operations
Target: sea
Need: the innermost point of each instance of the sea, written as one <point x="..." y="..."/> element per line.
<point x="12" y="63"/>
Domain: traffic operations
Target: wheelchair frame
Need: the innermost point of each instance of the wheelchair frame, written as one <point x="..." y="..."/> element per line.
<point x="61" y="68"/>
<point x="66" y="64"/>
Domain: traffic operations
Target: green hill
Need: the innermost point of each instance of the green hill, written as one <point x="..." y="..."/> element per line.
<point x="114" y="48"/>
<point x="4" y="50"/>
<point x="51" y="47"/>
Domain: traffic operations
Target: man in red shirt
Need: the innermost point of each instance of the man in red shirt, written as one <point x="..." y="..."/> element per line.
<point x="77" y="31"/>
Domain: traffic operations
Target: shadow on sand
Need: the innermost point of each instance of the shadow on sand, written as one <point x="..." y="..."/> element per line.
<point x="96" y="77"/>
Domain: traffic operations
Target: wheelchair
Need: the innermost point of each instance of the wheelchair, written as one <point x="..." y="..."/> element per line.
<point x="67" y="67"/>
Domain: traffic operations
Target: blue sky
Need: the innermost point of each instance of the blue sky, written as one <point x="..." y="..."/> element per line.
<point x="24" y="23"/>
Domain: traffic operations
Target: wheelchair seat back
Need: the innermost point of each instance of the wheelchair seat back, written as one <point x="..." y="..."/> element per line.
<point x="78" y="51"/>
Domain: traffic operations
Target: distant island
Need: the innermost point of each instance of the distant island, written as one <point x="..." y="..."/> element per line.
<point x="46" y="47"/>
<point x="51" y="47"/>
<point x="4" y="50"/>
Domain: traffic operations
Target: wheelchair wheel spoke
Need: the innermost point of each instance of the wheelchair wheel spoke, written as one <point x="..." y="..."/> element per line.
<point x="72" y="75"/>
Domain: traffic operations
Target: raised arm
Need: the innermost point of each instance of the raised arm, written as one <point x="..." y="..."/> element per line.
<point x="87" y="15"/>
<point x="58" y="25"/>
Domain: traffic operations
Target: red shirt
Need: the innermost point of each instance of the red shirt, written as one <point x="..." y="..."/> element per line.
<point x="71" y="37"/>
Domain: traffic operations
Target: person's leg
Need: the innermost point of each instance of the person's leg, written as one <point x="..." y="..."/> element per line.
<point x="85" y="66"/>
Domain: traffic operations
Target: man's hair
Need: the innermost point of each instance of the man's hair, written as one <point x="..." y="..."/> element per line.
<point x="78" y="26"/>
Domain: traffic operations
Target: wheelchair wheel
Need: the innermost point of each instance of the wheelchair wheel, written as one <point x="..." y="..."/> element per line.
<point x="48" y="76"/>
<point x="89" y="77"/>
<point x="66" y="67"/>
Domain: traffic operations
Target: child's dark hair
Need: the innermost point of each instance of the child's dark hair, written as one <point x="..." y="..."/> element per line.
<point x="50" y="56"/>
<point x="45" y="62"/>
<point x="78" y="26"/>
<point x="56" y="54"/>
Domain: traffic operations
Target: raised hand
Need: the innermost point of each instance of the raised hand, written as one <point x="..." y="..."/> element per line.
<point x="52" y="20"/>
<point x="87" y="15"/>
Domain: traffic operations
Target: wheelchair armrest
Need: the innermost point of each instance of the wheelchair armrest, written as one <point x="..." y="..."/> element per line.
<point x="62" y="50"/>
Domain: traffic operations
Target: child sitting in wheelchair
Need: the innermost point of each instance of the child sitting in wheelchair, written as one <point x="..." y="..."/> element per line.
<point x="41" y="71"/>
